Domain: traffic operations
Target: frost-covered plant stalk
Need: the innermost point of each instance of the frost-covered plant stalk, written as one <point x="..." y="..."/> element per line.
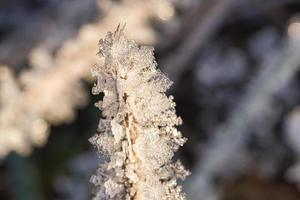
<point x="137" y="132"/>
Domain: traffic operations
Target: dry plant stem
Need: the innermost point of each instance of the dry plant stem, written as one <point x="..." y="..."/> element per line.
<point x="229" y="138"/>
<point x="137" y="131"/>
<point x="175" y="65"/>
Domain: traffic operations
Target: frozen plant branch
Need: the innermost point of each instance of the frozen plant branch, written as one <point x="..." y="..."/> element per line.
<point x="137" y="131"/>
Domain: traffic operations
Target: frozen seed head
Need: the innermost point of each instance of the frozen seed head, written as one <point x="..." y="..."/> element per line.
<point x="138" y="130"/>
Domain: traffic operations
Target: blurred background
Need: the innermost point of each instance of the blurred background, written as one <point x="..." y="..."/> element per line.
<point x="236" y="71"/>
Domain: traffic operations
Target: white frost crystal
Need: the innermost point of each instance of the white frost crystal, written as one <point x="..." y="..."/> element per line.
<point x="137" y="131"/>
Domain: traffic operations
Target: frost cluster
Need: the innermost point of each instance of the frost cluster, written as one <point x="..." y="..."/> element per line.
<point x="137" y="131"/>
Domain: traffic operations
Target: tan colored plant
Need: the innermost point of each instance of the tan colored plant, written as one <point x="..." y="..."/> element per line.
<point x="137" y="131"/>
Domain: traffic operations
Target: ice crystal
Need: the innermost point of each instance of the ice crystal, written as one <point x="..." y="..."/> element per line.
<point x="137" y="131"/>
